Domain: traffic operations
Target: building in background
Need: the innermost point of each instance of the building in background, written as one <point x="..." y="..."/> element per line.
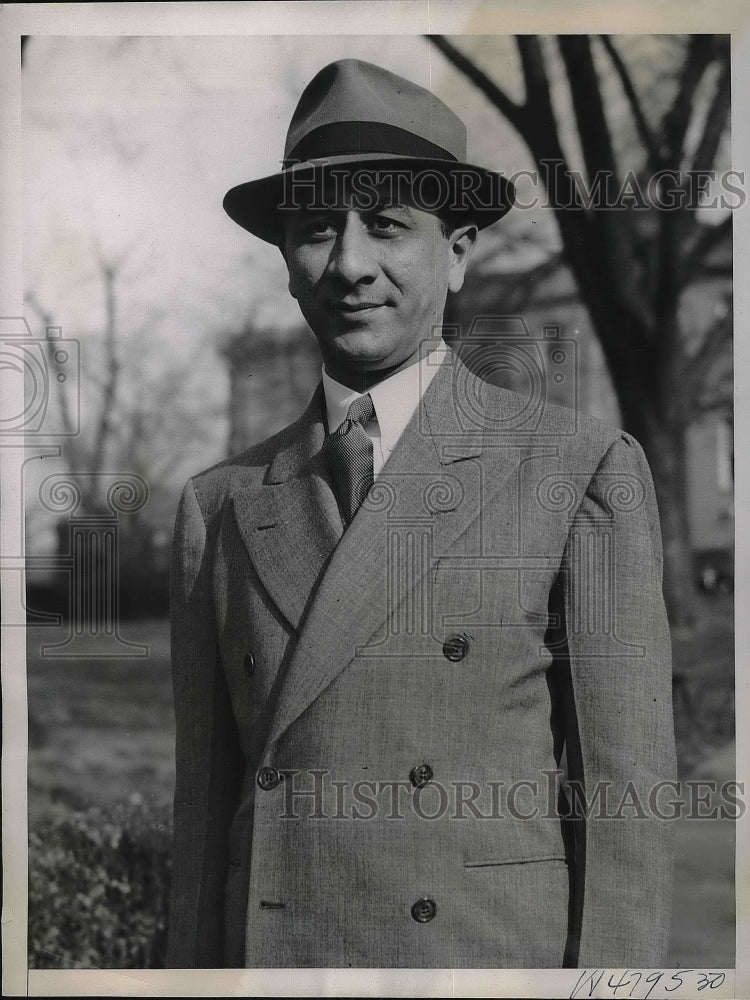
<point x="272" y="375"/>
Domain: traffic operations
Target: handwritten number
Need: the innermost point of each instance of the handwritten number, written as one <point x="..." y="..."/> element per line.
<point x="711" y="979"/>
<point x="636" y="982"/>
<point x="623" y="981"/>
<point x="677" y="975"/>
<point x="590" y="980"/>
<point x="653" y="978"/>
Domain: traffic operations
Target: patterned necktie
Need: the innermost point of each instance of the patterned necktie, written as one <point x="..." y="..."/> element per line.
<point x="349" y="452"/>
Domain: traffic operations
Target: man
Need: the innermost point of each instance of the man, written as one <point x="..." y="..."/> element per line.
<point x="394" y="621"/>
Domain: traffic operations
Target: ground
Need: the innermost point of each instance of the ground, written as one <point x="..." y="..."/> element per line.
<point x="101" y="732"/>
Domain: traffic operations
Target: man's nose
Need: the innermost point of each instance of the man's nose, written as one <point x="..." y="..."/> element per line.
<point x="352" y="260"/>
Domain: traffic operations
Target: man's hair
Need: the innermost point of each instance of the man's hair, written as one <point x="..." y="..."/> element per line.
<point x="447" y="223"/>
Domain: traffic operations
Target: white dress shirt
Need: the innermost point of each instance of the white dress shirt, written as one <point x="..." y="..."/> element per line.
<point x="395" y="400"/>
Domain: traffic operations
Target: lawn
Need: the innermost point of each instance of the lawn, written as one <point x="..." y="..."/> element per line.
<point x="101" y="731"/>
<point x="101" y="738"/>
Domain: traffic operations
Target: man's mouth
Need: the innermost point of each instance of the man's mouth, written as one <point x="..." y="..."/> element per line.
<point x="356" y="307"/>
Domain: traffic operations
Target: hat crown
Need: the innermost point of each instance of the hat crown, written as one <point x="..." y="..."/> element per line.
<point x="351" y="92"/>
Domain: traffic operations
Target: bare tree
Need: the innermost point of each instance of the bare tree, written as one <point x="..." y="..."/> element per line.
<point x="92" y="452"/>
<point x="633" y="268"/>
<point x="142" y="412"/>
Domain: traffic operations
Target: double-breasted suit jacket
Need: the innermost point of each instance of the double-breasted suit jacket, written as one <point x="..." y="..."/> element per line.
<point x="372" y="722"/>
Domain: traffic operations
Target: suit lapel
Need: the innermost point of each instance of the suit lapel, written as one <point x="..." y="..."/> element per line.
<point x="291" y="525"/>
<point x="430" y="483"/>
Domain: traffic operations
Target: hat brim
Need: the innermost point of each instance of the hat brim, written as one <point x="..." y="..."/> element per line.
<point x="476" y="194"/>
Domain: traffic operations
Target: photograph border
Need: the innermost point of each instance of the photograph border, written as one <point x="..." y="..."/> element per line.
<point x="452" y="17"/>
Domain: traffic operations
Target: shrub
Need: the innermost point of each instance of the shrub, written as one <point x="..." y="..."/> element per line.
<point x="98" y="889"/>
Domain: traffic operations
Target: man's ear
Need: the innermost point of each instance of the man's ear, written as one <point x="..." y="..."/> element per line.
<point x="461" y="243"/>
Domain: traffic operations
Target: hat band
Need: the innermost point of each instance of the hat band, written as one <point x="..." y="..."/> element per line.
<point x="360" y="138"/>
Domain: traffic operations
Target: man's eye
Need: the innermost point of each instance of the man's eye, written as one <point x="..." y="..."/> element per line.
<point x="319" y="227"/>
<point x="382" y="224"/>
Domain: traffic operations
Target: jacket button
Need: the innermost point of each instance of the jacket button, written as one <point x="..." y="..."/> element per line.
<point x="268" y="778"/>
<point x="423" y="910"/>
<point x="249" y="664"/>
<point x="455" y="647"/>
<point x="420" y="775"/>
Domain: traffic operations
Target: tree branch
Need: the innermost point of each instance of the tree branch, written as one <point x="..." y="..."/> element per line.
<point x="106" y="415"/>
<point x="707" y="238"/>
<point x="698" y="365"/>
<point x="543" y="139"/>
<point x="645" y="132"/>
<point x="675" y="227"/>
<point x="613" y="232"/>
<point x="536" y="123"/>
<point x="513" y="112"/>
<point x="675" y="123"/>
<point x="534" y="73"/>
<point x="716" y="119"/>
<point x="593" y="130"/>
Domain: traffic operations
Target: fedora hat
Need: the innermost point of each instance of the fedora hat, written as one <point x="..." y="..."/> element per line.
<point x="354" y="115"/>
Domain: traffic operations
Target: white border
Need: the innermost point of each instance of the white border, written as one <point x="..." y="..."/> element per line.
<point x="355" y="17"/>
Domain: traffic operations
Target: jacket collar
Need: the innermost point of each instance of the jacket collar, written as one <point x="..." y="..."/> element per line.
<point x="291" y="524"/>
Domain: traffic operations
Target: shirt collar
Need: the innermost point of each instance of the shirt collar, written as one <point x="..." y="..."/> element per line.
<point x="395" y="398"/>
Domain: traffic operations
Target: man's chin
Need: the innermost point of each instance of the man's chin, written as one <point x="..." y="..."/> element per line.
<point x="361" y="372"/>
<point x="362" y="350"/>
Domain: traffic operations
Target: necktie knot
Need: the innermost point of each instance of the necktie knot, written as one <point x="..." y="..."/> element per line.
<point x="361" y="411"/>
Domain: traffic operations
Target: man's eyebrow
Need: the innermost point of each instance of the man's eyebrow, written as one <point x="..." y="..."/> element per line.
<point x="368" y="210"/>
<point x="318" y="210"/>
<point x="371" y="208"/>
<point x="389" y="205"/>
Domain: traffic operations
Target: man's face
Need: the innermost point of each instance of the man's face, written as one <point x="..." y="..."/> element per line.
<point x="372" y="281"/>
